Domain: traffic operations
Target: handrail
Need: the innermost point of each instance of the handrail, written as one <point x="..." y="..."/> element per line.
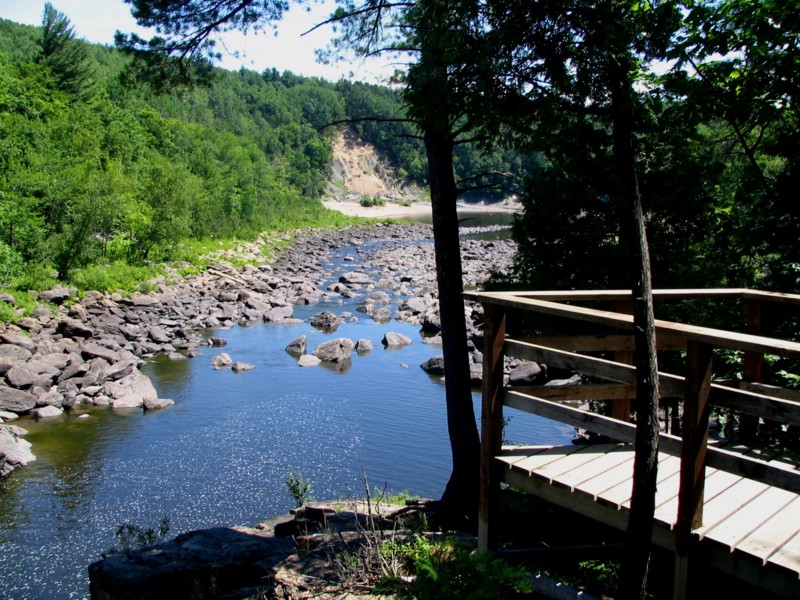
<point x="717" y="337"/>
<point x="752" y="399"/>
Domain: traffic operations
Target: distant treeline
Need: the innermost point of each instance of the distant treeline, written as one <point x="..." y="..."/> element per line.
<point x="96" y="169"/>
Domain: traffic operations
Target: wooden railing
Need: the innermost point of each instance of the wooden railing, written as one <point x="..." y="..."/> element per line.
<point x="750" y="398"/>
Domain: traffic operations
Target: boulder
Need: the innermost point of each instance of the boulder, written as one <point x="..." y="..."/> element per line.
<point x="220" y="361"/>
<point x="159" y="335"/>
<point x="157" y="403"/>
<point x="7" y="299"/>
<point x="120" y="369"/>
<point x="51" y="398"/>
<point x="217" y="342"/>
<point x="382" y="315"/>
<point x="395" y="340"/>
<point x="363" y="346"/>
<point x="131" y="391"/>
<point x="326" y="321"/>
<point x="46" y="412"/>
<point x="297" y="347"/>
<point x="93" y="350"/>
<point x="355" y="278"/>
<point x="241" y="367"/>
<point x="308" y="360"/>
<point x="475" y="374"/>
<point x="337" y="350"/>
<point x="16" y="401"/>
<point x="73" y="328"/>
<point x="14" y="452"/>
<point x="414" y="305"/>
<point x="525" y="373"/>
<point x="20" y="376"/>
<point x="57" y="295"/>
<point x="198" y="565"/>
<point x="17" y="339"/>
<point x="434" y="365"/>
<point x="7" y="415"/>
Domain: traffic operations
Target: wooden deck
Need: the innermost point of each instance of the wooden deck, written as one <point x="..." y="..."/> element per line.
<point x="757" y="523"/>
<point x="735" y="509"/>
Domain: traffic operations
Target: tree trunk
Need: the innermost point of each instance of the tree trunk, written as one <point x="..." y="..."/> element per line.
<point x="639" y="535"/>
<point x="459" y="504"/>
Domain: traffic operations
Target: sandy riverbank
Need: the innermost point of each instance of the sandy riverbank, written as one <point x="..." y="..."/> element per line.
<point x="392" y="210"/>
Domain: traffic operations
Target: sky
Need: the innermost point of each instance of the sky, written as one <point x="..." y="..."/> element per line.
<point x="97" y="20"/>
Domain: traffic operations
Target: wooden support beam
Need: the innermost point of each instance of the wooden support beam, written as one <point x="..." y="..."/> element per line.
<point x="694" y="442"/>
<point x="494" y="332"/>
<point x="753" y="369"/>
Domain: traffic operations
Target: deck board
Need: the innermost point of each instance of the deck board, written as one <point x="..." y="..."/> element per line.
<point x="743" y="516"/>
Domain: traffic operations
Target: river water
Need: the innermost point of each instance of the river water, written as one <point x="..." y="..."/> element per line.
<point x="219" y="455"/>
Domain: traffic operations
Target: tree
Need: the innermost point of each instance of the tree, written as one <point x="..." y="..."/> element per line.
<point x="65" y="55"/>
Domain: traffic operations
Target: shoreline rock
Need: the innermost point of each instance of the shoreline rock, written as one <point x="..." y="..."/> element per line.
<point x="81" y="351"/>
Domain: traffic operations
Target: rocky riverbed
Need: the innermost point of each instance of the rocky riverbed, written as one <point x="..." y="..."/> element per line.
<point x="80" y="352"/>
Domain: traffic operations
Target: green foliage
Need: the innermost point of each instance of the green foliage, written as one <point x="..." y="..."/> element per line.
<point x="374" y="201"/>
<point x="134" y="537"/>
<point x="11" y="263"/>
<point x="299" y="487"/>
<point x="66" y="57"/>
<point x="450" y="569"/>
<point x="115" y="277"/>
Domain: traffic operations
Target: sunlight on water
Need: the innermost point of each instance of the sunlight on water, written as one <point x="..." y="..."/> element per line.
<point x="219" y="456"/>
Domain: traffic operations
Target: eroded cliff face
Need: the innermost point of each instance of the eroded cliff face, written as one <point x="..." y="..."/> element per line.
<point x="359" y="171"/>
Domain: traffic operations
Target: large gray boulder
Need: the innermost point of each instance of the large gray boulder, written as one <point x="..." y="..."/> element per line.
<point x="14" y="451"/>
<point x="221" y="360"/>
<point x="72" y="328"/>
<point x="18" y="339"/>
<point x="16" y="401"/>
<point x="393" y="339"/>
<point x="131" y="391"/>
<point x="198" y="565"/>
<point x="337" y="350"/>
<point x="434" y="365"/>
<point x="297" y="347"/>
<point x="326" y="321"/>
<point x="526" y="373"/>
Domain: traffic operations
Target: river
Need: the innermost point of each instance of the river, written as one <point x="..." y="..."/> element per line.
<point x="219" y="455"/>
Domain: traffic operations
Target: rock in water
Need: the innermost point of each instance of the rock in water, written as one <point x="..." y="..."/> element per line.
<point x="221" y="361"/>
<point x="307" y="360"/>
<point x="297" y="347"/>
<point x="525" y="373"/>
<point x="395" y="340"/>
<point x="131" y="391"/>
<point x="337" y="350"/>
<point x="434" y="365"/>
<point x="326" y="321"/>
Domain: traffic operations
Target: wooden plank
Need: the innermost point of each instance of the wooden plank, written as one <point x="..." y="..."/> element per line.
<point x="722" y="395"/>
<point x="566" y="393"/>
<point x="617" y="465"/>
<point x="581" y="505"/>
<point x="706" y="335"/>
<point x="532" y="464"/>
<point x="775" y="475"/>
<point x="748" y="518"/>
<point x="788" y="555"/>
<point x="618" y="478"/>
<point x="781" y="527"/>
<point x="727" y="504"/>
<point x="557" y="471"/>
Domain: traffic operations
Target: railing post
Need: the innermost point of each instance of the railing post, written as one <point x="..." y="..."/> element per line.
<point x="753" y="370"/>
<point x="621" y="409"/>
<point x="693" y="454"/>
<point x="494" y="332"/>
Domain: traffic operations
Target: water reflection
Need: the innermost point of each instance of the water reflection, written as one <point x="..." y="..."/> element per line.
<point x="219" y="455"/>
